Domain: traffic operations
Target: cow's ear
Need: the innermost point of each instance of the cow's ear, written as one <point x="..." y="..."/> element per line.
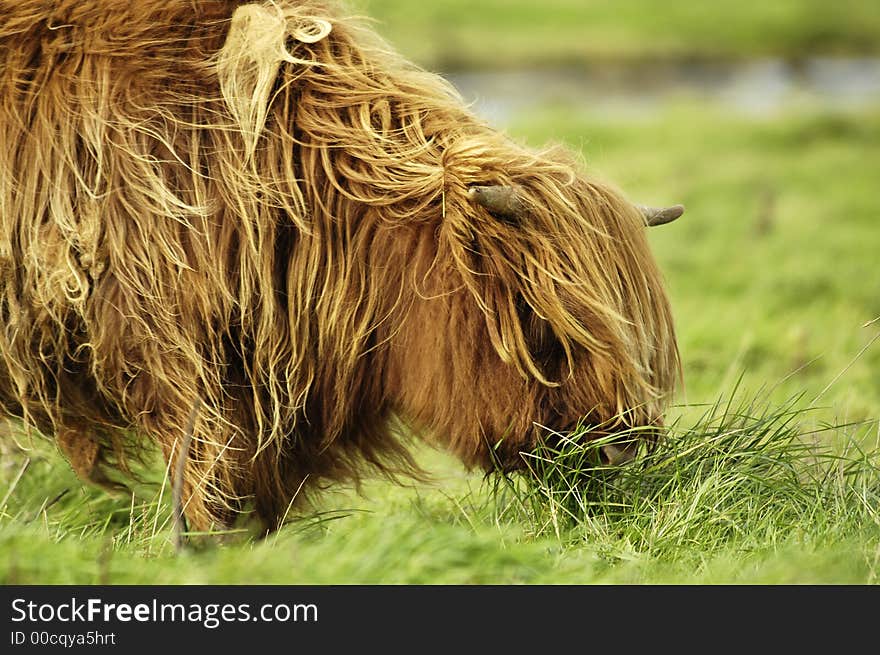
<point x="503" y="202"/>
<point x="248" y="64"/>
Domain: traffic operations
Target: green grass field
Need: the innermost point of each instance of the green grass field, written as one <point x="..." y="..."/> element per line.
<point x="497" y="33"/>
<point x="774" y="280"/>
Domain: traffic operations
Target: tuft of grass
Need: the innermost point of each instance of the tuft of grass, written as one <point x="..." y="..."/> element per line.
<point x="749" y="476"/>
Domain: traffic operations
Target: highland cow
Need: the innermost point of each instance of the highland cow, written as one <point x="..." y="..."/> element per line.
<point x="262" y="211"/>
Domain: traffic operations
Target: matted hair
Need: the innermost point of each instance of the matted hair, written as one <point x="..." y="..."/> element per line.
<point x="266" y="210"/>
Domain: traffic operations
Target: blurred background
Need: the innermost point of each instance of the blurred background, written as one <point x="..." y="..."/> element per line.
<point x="763" y="118"/>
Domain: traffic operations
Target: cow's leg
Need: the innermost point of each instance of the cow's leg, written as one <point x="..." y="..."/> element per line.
<point x="83" y="451"/>
<point x="211" y="480"/>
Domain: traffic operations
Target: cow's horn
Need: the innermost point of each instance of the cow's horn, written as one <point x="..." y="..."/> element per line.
<point x="501" y="201"/>
<point x="654" y="217"/>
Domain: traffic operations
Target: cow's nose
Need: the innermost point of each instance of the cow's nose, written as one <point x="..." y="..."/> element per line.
<point x="614" y="455"/>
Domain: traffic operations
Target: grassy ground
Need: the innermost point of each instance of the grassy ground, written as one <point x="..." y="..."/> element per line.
<point x="774" y="283"/>
<point x="461" y="33"/>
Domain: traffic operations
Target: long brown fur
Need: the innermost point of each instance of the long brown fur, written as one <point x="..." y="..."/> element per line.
<point x="267" y="210"/>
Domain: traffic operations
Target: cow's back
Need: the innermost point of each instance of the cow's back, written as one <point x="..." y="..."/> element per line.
<point x="93" y="100"/>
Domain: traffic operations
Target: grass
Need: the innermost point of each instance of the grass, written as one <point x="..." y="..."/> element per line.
<point x="749" y="475"/>
<point x="745" y="494"/>
<point x="455" y="34"/>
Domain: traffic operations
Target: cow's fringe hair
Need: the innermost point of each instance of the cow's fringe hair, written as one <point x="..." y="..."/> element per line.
<point x="267" y="210"/>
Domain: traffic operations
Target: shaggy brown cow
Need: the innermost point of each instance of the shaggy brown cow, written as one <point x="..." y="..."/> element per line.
<point x="263" y="210"/>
